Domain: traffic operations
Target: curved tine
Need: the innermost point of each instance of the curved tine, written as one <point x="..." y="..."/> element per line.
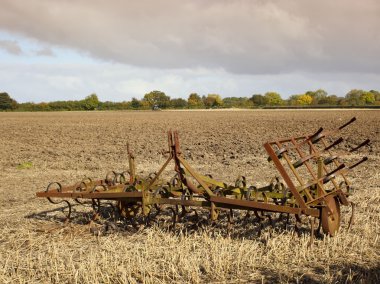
<point x="79" y="202"/>
<point x="312" y="232"/>
<point x="260" y="218"/>
<point x="116" y="178"/>
<point x="110" y="177"/>
<point x="113" y="209"/>
<point x="183" y="211"/>
<point x="247" y="215"/>
<point x="352" y="215"/>
<point x="69" y="213"/>
<point x="84" y="184"/>
<point x="287" y="221"/>
<point x="174" y="220"/>
<point x="269" y="217"/>
<point x="158" y="211"/>
<point x="230" y="216"/>
<point x="298" y="221"/>
<point x="123" y="178"/>
<point x="96" y="204"/>
<point x="95" y="188"/>
<point x="59" y="189"/>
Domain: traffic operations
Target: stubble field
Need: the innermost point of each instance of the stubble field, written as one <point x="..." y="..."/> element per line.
<point x="37" y="247"/>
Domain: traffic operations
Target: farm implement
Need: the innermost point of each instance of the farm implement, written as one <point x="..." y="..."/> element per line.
<point x="313" y="182"/>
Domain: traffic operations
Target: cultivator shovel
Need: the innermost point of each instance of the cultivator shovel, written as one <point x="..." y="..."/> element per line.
<point x="314" y="175"/>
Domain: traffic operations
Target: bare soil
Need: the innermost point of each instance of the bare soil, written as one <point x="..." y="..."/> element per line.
<point x="36" y="247"/>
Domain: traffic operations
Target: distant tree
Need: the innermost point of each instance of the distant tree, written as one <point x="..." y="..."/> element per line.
<point x="241" y="102"/>
<point x="331" y="100"/>
<point x="213" y="101"/>
<point x="367" y="98"/>
<point x="273" y="99"/>
<point x="304" y="100"/>
<point x="195" y="101"/>
<point x="376" y="94"/>
<point x="91" y="102"/>
<point x="353" y="97"/>
<point x="317" y="96"/>
<point x="178" y="103"/>
<point x="135" y="103"/>
<point x="258" y="100"/>
<point x="158" y="99"/>
<point x="6" y="102"/>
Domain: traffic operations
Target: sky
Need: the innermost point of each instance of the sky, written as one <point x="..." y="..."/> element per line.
<point x="68" y="49"/>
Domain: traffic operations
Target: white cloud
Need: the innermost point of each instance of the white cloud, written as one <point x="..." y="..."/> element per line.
<point x="11" y="46"/>
<point x="123" y="49"/>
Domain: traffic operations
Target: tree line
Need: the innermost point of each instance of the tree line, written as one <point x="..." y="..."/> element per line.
<point x="159" y="100"/>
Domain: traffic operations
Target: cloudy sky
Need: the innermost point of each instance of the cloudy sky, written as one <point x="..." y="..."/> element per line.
<point x="119" y="49"/>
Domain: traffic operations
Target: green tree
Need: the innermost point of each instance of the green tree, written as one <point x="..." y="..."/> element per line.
<point x="135" y="103"/>
<point x="91" y="102"/>
<point x="367" y="98"/>
<point x="376" y="94"/>
<point x="178" y="103"/>
<point x="353" y="97"/>
<point x="157" y="98"/>
<point x="331" y="100"/>
<point x="241" y="102"/>
<point x="195" y="101"/>
<point x="273" y="99"/>
<point x="258" y="100"/>
<point x="6" y="102"/>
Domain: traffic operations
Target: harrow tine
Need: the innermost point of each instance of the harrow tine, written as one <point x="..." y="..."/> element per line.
<point x="358" y="163"/>
<point x="366" y="142"/>
<point x="348" y="123"/>
<point x="336" y="142"/>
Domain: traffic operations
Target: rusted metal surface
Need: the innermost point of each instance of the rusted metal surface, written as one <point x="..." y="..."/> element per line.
<point x="314" y="174"/>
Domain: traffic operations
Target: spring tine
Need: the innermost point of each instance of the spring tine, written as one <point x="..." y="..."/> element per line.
<point x="329" y="160"/>
<point x="316" y="133"/>
<point x="358" y="163"/>
<point x="352" y="215"/>
<point x="337" y="169"/>
<point x="359" y="146"/>
<point x="330" y="175"/>
<point x="316" y="136"/>
<point x="348" y="123"/>
<point x="340" y="140"/>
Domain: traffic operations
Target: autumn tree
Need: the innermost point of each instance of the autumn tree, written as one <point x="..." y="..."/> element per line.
<point x="273" y="99"/>
<point x="195" y="101"/>
<point x="157" y="99"/>
<point x="360" y="97"/>
<point x="317" y="96"/>
<point x="300" y="100"/>
<point x="213" y="101"/>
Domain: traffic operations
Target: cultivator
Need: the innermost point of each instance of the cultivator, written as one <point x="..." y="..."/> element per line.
<point x="314" y="176"/>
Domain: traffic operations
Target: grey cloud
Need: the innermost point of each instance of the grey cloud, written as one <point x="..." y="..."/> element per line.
<point x="11" y="46"/>
<point x="246" y="36"/>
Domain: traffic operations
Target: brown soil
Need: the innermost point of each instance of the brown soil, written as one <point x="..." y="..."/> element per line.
<point x="68" y="146"/>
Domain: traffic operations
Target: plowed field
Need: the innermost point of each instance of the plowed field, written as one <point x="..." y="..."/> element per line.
<point x="36" y="247"/>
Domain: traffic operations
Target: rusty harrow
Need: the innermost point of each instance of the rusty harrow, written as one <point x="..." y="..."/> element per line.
<point x="314" y="183"/>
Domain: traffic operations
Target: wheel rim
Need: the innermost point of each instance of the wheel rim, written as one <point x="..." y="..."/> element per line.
<point x="331" y="222"/>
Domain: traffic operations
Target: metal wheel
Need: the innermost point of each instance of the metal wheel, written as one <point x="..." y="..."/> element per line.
<point x="331" y="222"/>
